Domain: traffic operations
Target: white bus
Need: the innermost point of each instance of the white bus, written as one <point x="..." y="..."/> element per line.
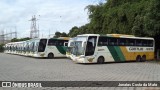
<point x="52" y="47"/>
<point x="95" y="48"/>
<point x="39" y="47"/>
<point x="20" y="48"/>
<point x="9" y="48"/>
<point x="70" y="46"/>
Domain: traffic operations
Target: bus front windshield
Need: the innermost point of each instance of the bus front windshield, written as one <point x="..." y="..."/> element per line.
<point x="36" y="43"/>
<point x="70" y="46"/>
<point x="78" y="48"/>
<point x="33" y="46"/>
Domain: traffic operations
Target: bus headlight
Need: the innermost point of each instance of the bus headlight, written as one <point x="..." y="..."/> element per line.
<point x="82" y="56"/>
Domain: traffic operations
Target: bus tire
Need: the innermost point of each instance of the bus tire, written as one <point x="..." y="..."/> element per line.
<point x="143" y="58"/>
<point x="100" y="60"/>
<point x="50" y="55"/>
<point x="138" y="58"/>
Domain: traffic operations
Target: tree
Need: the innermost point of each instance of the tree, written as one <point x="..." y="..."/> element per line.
<point x="63" y="34"/>
<point x="14" y="40"/>
<point x="59" y="34"/>
<point x="137" y="17"/>
<point x="73" y="32"/>
<point x="20" y="39"/>
<point x="1" y="47"/>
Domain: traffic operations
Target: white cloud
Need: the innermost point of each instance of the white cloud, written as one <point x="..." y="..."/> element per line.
<point x="55" y="15"/>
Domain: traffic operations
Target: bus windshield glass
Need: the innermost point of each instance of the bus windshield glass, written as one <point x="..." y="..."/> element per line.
<point x="70" y="46"/>
<point x="78" y="48"/>
<point x="35" y="46"/>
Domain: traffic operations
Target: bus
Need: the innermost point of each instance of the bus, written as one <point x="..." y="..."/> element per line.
<point x="8" y="48"/>
<point x="95" y="48"/>
<point x="70" y="47"/>
<point x="39" y="47"/>
<point x="52" y="47"/>
<point x="20" y="48"/>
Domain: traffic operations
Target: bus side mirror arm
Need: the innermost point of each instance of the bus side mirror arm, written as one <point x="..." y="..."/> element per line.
<point x="84" y="44"/>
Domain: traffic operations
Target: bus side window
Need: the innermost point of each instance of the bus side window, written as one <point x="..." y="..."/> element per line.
<point x="56" y="43"/>
<point x="150" y="43"/>
<point x="121" y="42"/>
<point x="102" y="41"/>
<point x="144" y="43"/>
<point x="138" y="42"/>
<point x="61" y="42"/>
<point x="51" y="42"/>
<point x="131" y="42"/>
<point x="65" y="43"/>
<point x="112" y="41"/>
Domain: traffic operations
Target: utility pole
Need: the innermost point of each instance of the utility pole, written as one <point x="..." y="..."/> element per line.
<point x="7" y="36"/>
<point x="34" y="33"/>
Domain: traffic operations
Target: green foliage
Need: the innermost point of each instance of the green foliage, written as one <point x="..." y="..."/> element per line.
<point x="21" y="39"/>
<point x="1" y="47"/>
<point x="73" y="32"/>
<point x="59" y="34"/>
<point x="137" y="17"/>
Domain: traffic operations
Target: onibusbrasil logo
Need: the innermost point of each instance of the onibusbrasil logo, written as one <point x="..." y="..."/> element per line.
<point x="20" y="84"/>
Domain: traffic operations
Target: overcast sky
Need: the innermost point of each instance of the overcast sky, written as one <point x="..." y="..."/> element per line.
<point x="53" y="15"/>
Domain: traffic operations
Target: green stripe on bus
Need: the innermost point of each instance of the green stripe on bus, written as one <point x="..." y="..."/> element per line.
<point x="113" y="53"/>
<point x="119" y="52"/>
<point x="116" y="53"/>
<point x="61" y="49"/>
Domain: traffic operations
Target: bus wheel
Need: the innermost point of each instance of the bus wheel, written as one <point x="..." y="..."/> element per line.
<point x="50" y="55"/>
<point x="100" y="60"/>
<point x="143" y="58"/>
<point x="138" y="59"/>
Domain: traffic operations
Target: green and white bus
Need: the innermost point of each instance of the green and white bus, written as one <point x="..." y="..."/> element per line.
<point x="52" y="47"/>
<point x="95" y="48"/>
<point x="39" y="47"/>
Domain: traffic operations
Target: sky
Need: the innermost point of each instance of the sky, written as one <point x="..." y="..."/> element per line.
<point x="52" y="15"/>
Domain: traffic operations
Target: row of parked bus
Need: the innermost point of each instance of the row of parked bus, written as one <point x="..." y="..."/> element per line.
<point x="44" y="47"/>
<point x="88" y="48"/>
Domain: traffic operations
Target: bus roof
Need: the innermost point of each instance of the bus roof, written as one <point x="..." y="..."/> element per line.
<point x="118" y="36"/>
<point x="89" y="35"/>
<point x="65" y="38"/>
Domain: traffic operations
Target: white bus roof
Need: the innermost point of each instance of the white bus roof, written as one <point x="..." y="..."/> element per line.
<point x="89" y="35"/>
<point x="119" y="36"/>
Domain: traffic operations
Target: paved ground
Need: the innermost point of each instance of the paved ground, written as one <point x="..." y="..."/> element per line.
<point x="20" y="68"/>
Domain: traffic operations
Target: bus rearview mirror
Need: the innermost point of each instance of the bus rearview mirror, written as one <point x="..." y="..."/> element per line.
<point x="84" y="44"/>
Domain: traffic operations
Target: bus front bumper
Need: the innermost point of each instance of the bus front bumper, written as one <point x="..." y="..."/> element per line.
<point x="79" y="59"/>
<point x="39" y="55"/>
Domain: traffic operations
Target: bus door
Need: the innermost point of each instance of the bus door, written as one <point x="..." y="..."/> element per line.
<point x="91" y="45"/>
<point x="42" y="45"/>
